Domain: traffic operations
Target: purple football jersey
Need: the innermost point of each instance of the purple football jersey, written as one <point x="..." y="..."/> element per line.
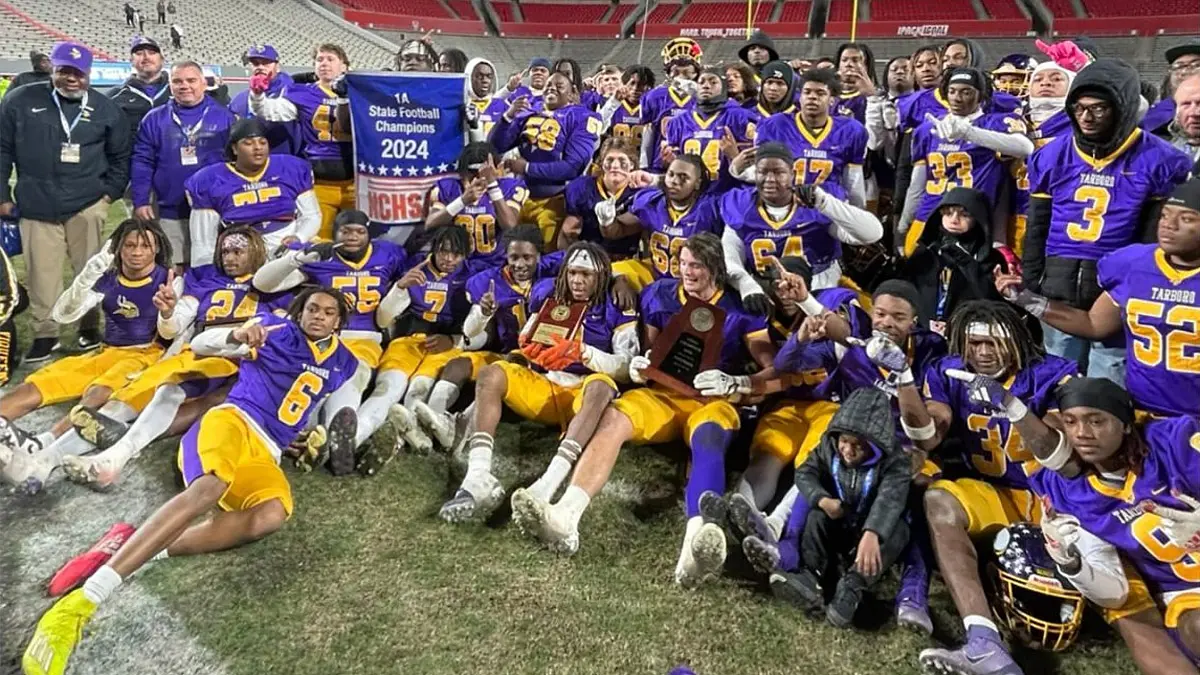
<point x="693" y="134"/>
<point x="821" y="157"/>
<point x="665" y="298"/>
<point x="1162" y="327"/>
<point x="315" y="106"/>
<point x="599" y="322"/>
<point x="668" y="229"/>
<point x="130" y="317"/>
<point x="479" y="219"/>
<point x="1097" y="202"/>
<point x="441" y="299"/>
<point x="266" y="201"/>
<point x="490" y="110"/>
<point x="809" y="380"/>
<point x="853" y="106"/>
<point x="558" y="144"/>
<point x="363" y="282"/>
<point x="225" y="300"/>
<point x="659" y="106"/>
<point x="993" y="448"/>
<point x="802" y="231"/>
<point x="961" y="163"/>
<point x="512" y="299"/>
<point x="1114" y="513"/>
<point x="913" y="107"/>
<point x="627" y="122"/>
<point x="287" y="378"/>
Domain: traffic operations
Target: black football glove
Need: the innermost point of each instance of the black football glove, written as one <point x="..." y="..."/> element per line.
<point x="807" y="195"/>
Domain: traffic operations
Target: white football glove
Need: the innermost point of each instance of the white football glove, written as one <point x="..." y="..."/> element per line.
<point x="887" y="355"/>
<point x="100" y="263"/>
<point x="719" y="384"/>
<point x="1182" y="527"/>
<point x="685" y="86"/>
<point x="1062" y="536"/>
<point x="990" y="395"/>
<point x="636" y="365"/>
<point x="606" y="212"/>
<point x="891" y="116"/>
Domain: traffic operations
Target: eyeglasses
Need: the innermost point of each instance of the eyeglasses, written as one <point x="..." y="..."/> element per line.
<point x="1096" y="110"/>
<point x="1185" y="67"/>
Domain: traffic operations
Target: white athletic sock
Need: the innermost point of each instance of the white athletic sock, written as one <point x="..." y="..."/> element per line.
<point x="161" y="555"/>
<point x="101" y="584"/>
<point x="418" y="390"/>
<point x="443" y="396"/>
<point x="154" y="421"/>
<point x="547" y="484"/>
<point x="981" y="621"/>
<point x="389" y="389"/>
<point x="45" y="438"/>
<point x="573" y="503"/>
<point x="479" y="459"/>
<point x="121" y="412"/>
<point x="345" y="396"/>
<point x="70" y="443"/>
<point x="784" y="508"/>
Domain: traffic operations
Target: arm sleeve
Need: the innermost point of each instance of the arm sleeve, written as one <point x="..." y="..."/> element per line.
<point x="393" y="305"/>
<point x="308" y="216"/>
<point x="610" y="107"/>
<point x="279" y="274"/>
<point x="475" y="334"/>
<point x="141" y="166"/>
<point x="1101" y="577"/>
<point x="203" y="225"/>
<point x="1009" y="145"/>
<point x="76" y="301"/>
<point x="116" y="149"/>
<point x="615" y="365"/>
<point x="277" y="109"/>
<point x="648" y="150"/>
<point x="215" y="342"/>
<point x="182" y="318"/>
<point x="735" y="261"/>
<point x="1037" y="229"/>
<point x="856" y="186"/>
<point x="851" y="224"/>
<point x="578" y="152"/>
<point x="892" y="497"/>
<point x="916" y="188"/>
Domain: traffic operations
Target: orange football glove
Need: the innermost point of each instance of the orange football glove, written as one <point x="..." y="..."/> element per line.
<point x="564" y="353"/>
<point x="533" y="350"/>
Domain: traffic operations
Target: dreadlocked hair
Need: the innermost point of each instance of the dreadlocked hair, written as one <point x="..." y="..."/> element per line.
<point x="576" y="76"/>
<point x="257" y="249"/>
<point x="296" y="308"/>
<point x="644" y="74"/>
<point x="143" y="228"/>
<point x="706" y="248"/>
<point x="525" y="232"/>
<point x="562" y="290"/>
<point x="451" y="239"/>
<point x="1021" y="349"/>
<point x="701" y="170"/>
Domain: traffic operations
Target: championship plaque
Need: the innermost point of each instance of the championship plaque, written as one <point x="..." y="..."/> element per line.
<point x="557" y="321"/>
<point x="688" y="345"/>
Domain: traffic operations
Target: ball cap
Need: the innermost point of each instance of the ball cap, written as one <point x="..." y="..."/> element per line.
<point x="265" y="52"/>
<point x="71" y="55"/>
<point x="143" y="42"/>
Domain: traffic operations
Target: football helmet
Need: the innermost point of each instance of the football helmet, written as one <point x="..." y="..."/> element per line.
<point x="681" y="49"/>
<point x="1013" y="74"/>
<point x="1037" y="603"/>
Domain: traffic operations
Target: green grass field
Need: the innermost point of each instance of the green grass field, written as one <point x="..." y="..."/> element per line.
<point x="366" y="579"/>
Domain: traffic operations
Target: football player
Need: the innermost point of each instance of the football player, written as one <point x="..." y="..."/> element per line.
<point x="327" y="145"/>
<point x="1046" y="118"/>
<point x="569" y="384"/>
<point x="776" y="92"/>
<point x="479" y="201"/>
<point x="622" y="112"/>
<point x="229" y="458"/>
<point x="829" y="149"/>
<point x="713" y="129"/>
<point x="966" y="148"/>
<point x="554" y="145"/>
<point x="157" y="396"/>
<point x="681" y="62"/>
<point x="122" y="279"/>
<point x="361" y="268"/>
<point x="484" y="108"/>
<point x="1131" y="488"/>
<point x="612" y="188"/>
<point x="856" y="72"/>
<point x="272" y="193"/>
<point x="657" y="414"/>
<point x="779" y="220"/>
<point x="1012" y="75"/>
<point x="1149" y="294"/>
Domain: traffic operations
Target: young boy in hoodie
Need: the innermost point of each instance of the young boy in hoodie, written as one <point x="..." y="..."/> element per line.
<point x="856" y="482"/>
<point x="954" y="258"/>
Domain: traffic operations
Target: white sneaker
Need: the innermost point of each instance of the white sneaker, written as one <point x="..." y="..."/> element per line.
<point x="97" y="472"/>
<point x="537" y="518"/>
<point x="702" y="557"/>
<point x="438" y="424"/>
<point x="406" y="426"/>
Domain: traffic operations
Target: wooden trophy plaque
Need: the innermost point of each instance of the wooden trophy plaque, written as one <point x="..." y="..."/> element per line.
<point x="688" y="345"/>
<point x="557" y="320"/>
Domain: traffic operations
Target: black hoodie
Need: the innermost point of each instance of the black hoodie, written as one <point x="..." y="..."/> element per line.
<point x="951" y="269"/>
<point x="1073" y="280"/>
<point x="759" y="39"/>
<point x="976" y="52"/>
<point x="866" y="413"/>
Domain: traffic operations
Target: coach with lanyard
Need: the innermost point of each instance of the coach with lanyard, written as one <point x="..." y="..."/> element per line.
<point x="69" y="145"/>
<point x="173" y="142"/>
<point x="147" y="88"/>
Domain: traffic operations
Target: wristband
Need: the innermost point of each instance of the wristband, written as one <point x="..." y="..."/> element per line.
<point x="811" y="306"/>
<point x="924" y="433"/>
<point x="1016" y="410"/>
<point x="455" y="207"/>
<point x="494" y="193"/>
<point x="904" y="377"/>
<point x="1057" y="459"/>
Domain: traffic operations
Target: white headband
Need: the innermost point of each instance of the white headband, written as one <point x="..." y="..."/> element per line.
<point x="988" y="330"/>
<point x="581" y="259"/>
<point x="238" y="242"/>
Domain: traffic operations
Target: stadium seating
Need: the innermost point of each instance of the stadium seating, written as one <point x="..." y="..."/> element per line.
<point x="794" y="12"/>
<point x="294" y="27"/>
<point x="504" y="10"/>
<point x="622" y="11"/>
<point x="915" y="10"/>
<point x="733" y="13"/>
<point x="408" y="7"/>
<point x="1061" y="9"/>
<point x="1003" y="9"/>
<point x="1153" y="8"/>
<point x="663" y="11"/>
<point x="464" y="9"/>
<point x="576" y="12"/>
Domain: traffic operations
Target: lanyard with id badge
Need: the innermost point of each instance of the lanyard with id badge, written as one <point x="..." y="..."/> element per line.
<point x="70" y="152"/>
<point x="187" y="152"/>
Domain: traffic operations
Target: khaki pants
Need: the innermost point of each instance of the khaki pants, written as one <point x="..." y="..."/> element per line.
<point x="46" y="246"/>
<point x="177" y="233"/>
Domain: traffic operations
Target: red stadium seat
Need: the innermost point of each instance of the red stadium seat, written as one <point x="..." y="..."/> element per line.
<point x="1154" y="8"/>
<point x="545" y="12"/>
<point x="505" y="11"/>
<point x="920" y="10"/>
<point x="797" y="12"/>
<point x="620" y="13"/>
<point x="725" y="12"/>
<point x="464" y="8"/>
<point x="1003" y="9"/>
<point x="663" y="12"/>
<point x="406" y="7"/>
<point x="1060" y="8"/>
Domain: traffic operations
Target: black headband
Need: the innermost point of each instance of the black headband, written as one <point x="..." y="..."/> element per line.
<point x="773" y="150"/>
<point x="1096" y="392"/>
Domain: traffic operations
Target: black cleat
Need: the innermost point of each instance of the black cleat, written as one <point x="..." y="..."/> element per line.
<point x="714" y="509"/>
<point x="339" y="443"/>
<point x="88" y="340"/>
<point x="41" y="349"/>
<point x="800" y="589"/>
<point x="745" y="520"/>
<point x="97" y="428"/>
<point x="762" y="554"/>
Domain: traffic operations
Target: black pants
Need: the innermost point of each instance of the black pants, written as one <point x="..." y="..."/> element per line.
<point x="825" y="541"/>
<point x="162" y="16"/>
